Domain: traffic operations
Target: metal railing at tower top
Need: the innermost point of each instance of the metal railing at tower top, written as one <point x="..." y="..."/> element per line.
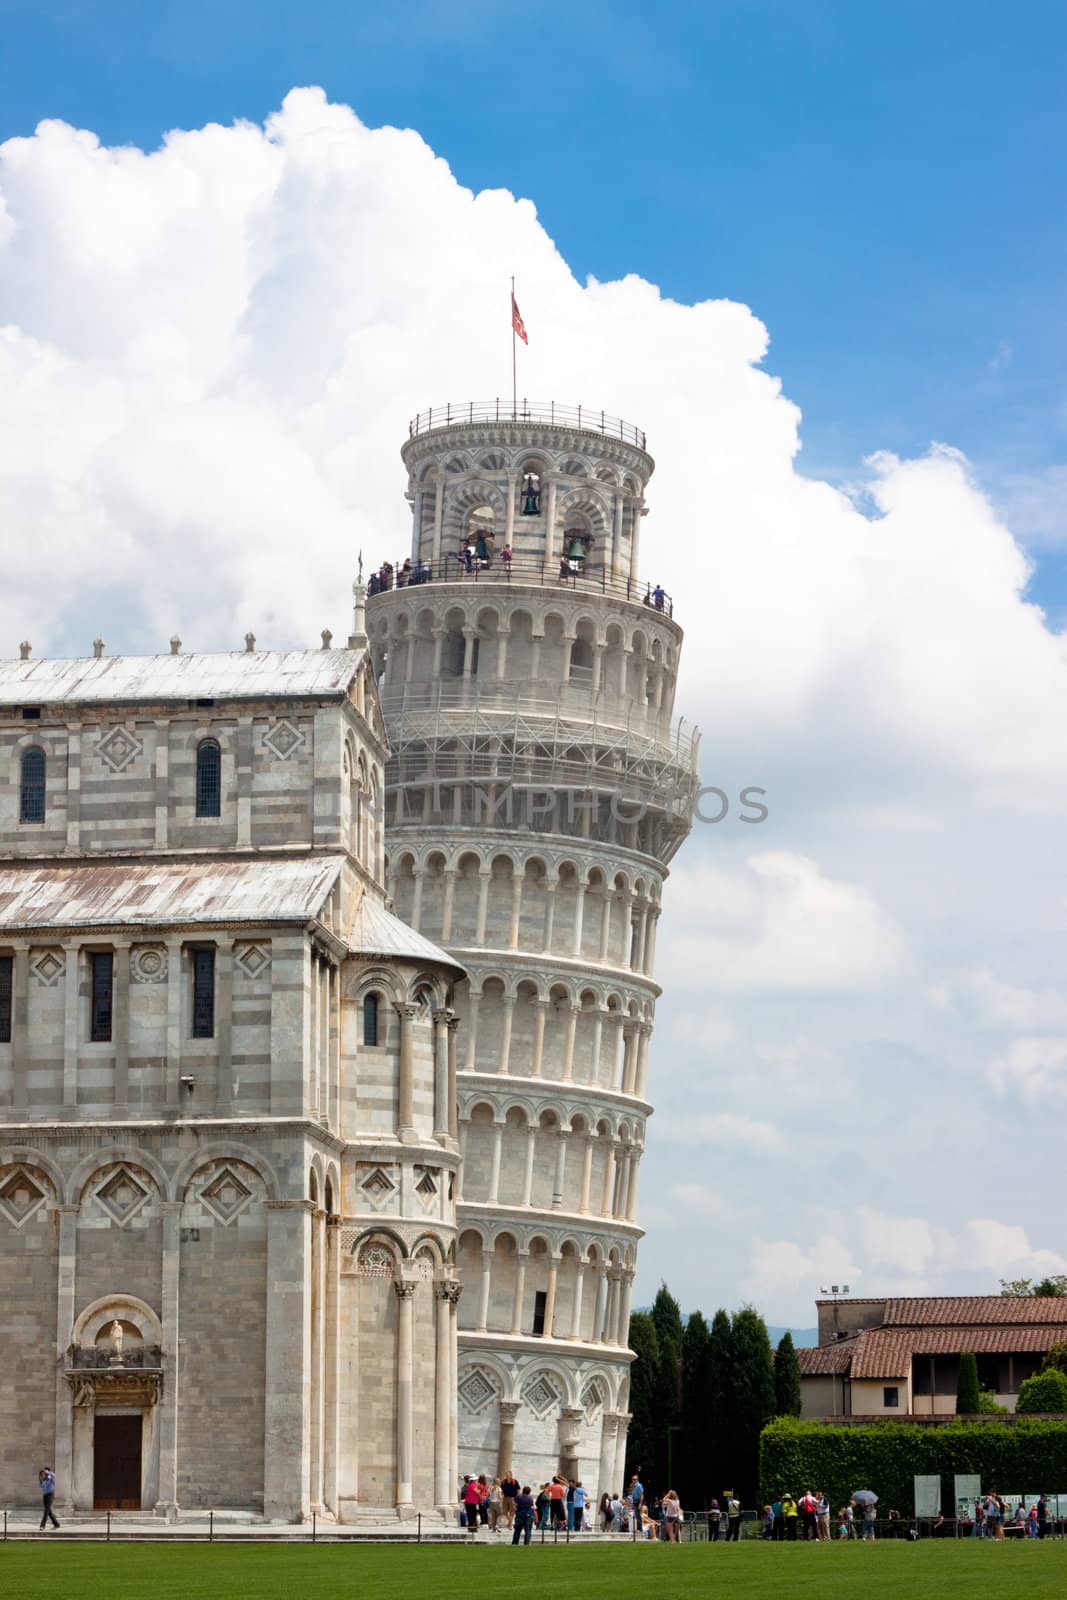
<point x="459" y="414"/>
<point x="525" y="572"/>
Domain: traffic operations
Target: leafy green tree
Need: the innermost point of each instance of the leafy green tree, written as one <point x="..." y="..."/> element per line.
<point x="643" y="1438"/>
<point x="1056" y="1356"/>
<point x="691" y="1451"/>
<point x="1045" y="1391"/>
<point x="1054" y="1288"/>
<point x="750" y="1401"/>
<point x="786" y="1378"/>
<point x="967" y="1391"/>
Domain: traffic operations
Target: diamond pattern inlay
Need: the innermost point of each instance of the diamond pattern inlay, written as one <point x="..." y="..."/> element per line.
<point x="122" y="1196"/>
<point x="283" y="740"/>
<point x="20" y="1198"/>
<point x="118" y="748"/>
<point x="49" y="967"/>
<point x="226" y="1196"/>
<point x="540" y="1396"/>
<point x="475" y="1390"/>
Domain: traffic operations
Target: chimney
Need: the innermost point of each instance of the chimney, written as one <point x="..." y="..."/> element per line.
<point x="24" y="649"/>
<point x="327" y="639"/>
<point x="98" y="648"/>
<point x="250" y="644"/>
<point x="175" y="645"/>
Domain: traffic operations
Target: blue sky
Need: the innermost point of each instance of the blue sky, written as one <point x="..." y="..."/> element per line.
<point x="882" y="183"/>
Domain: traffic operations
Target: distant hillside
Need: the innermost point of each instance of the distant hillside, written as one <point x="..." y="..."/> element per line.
<point x="802" y="1337"/>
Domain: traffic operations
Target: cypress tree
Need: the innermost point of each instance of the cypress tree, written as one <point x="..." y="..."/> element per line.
<point x="691" y="1450"/>
<point x="786" y="1378"/>
<point x="750" y="1401"/>
<point x="717" y="1448"/>
<point x="642" y="1441"/>
<point x="667" y="1320"/>
<point x="968" y="1398"/>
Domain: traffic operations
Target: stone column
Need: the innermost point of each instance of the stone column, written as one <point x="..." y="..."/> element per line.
<point x="598" y="1038"/>
<point x="624" y="1308"/>
<point x="597" y="1336"/>
<point x="536" y="640"/>
<point x="609" y="1178"/>
<point x="454" y="1290"/>
<point x="573" y="1010"/>
<point x="624" y="1420"/>
<point x="174" y="1020"/>
<point x="449" y="902"/>
<point x="469" y="636"/>
<point x="440" y="1076"/>
<point x="606" y="1480"/>
<point x="641" y="1076"/>
<point x="493" y="1196"/>
<point x="64" y="1448"/>
<point x="635" y="540"/>
<point x="522" y="1256"/>
<point x="318" y="1287"/>
<point x="540" y="1011"/>
<point x="286" y="1477"/>
<point x="416" y="898"/>
<point x="120" y="1027"/>
<point x="509" y="1410"/>
<point x="570" y="1427"/>
<point x="629" y="1034"/>
<point x="550" y="913"/>
<point x="438" y="518"/>
<point x="405" y="1384"/>
<point x="576" y="1308"/>
<point x="631" y="1184"/>
<point x="416" y="523"/>
<point x="484" y="877"/>
<point x="642" y="930"/>
<point x="614" y="1306"/>
<point x="650" y="953"/>
<point x="405" y="1121"/>
<point x="587" y="1173"/>
<point x="487" y="1280"/>
<point x="502" y="637"/>
<point x="616" y="536"/>
<point x="439" y="636"/>
<point x="561" y="1168"/>
<point x="71" y="1028"/>
<point x="508" y="1010"/>
<point x="331" y="1385"/>
<point x="472" y="1031"/>
<point x="509" y="510"/>
<point x="516" y="909"/>
<point x="167" y="1420"/>
<point x="527" y="1177"/>
<point x="442" y="1488"/>
<point x="453" y="1105"/>
<point x="550" y="1296"/>
<point x="605" y="926"/>
<point x="550" y="521"/>
<point x="224" y="1029"/>
<point x="579" y="919"/>
<point x="74" y="788"/>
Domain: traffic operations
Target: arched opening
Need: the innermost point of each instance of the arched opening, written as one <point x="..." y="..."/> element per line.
<point x="371" y="1018"/>
<point x="208" y="778"/>
<point x="32" y="786"/>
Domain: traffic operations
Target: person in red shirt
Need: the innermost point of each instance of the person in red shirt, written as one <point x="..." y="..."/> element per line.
<point x="557" y="1502"/>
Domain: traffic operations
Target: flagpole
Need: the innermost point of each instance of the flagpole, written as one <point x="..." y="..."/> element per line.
<point x="514" y="367"/>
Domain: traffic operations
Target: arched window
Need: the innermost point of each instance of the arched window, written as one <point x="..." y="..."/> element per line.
<point x="208" y="778"/>
<point x="31" y="789"/>
<point x="370" y="1018"/>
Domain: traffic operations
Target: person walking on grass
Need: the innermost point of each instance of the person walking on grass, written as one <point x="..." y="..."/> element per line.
<point x="46" y="1480"/>
<point x="524" y="1516"/>
<point x="672" y="1517"/>
<point x="733" y="1516"/>
<point x="822" y="1515"/>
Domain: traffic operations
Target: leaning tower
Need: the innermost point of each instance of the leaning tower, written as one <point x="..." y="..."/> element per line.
<point x="538" y="789"/>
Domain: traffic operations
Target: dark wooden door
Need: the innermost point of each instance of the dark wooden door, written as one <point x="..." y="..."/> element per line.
<point x="117" y="1463"/>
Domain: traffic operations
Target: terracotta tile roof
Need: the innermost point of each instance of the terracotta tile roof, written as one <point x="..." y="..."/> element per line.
<point x="973" y="1311"/>
<point x="819" y="1361"/>
<point x="888" y="1352"/>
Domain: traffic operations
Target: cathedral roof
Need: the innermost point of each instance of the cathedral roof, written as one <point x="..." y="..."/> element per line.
<point x="226" y="675"/>
<point x="165" y="892"/>
<point x="376" y="932"/>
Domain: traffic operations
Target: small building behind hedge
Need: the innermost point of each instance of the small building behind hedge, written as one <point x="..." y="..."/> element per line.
<point x="900" y="1358"/>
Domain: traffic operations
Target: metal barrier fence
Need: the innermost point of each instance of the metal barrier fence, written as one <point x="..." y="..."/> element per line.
<point x="459" y="414"/>
<point x="522" y="572"/>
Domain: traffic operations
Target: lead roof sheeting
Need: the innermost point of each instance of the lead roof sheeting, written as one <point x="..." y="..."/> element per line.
<point x="376" y="932"/>
<point x="162" y="893"/>
<point x="233" y="675"/>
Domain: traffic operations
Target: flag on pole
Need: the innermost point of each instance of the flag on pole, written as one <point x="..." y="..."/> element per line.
<point x="518" y="326"/>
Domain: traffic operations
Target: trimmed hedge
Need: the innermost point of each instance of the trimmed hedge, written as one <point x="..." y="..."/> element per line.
<point x="1025" y="1458"/>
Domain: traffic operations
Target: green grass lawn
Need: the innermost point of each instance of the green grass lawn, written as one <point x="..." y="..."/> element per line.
<point x="941" y="1570"/>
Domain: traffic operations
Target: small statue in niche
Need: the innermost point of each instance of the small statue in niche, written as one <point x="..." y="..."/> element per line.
<point x="118" y="1335"/>
<point x="531" y="495"/>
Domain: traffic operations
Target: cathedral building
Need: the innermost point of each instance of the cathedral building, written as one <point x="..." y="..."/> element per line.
<point x="538" y="788"/>
<point x="326" y="992"/>
<point x="228" y="1149"/>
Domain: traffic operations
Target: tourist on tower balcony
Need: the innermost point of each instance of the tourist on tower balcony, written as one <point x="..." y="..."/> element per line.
<point x="658" y="598"/>
<point x="505" y="556"/>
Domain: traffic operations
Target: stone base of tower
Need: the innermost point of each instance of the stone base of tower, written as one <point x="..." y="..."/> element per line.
<point x="541" y="1407"/>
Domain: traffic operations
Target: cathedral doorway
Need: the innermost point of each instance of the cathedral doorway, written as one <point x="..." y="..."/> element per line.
<point x="117" y="1462"/>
